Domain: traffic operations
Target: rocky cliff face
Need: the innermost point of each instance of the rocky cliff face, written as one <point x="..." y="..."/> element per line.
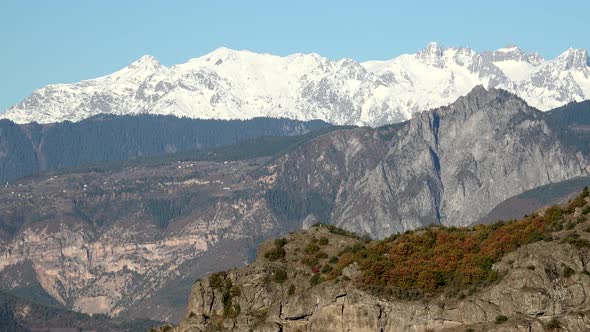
<point x="447" y="166"/>
<point x="106" y="243"/>
<point x="542" y="286"/>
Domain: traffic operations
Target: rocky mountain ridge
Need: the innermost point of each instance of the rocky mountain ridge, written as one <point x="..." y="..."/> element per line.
<point x="230" y="84"/>
<point x="325" y="279"/>
<point x="455" y="162"/>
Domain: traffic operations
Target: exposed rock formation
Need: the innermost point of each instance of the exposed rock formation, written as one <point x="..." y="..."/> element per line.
<point x="450" y="165"/>
<point x="541" y="283"/>
<point x="107" y="243"/>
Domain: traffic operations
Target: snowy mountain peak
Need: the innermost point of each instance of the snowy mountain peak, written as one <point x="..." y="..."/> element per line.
<point x="511" y="51"/>
<point x="225" y="53"/>
<point x="431" y="54"/>
<point x="240" y="84"/>
<point x="145" y="62"/>
<point x="432" y="49"/>
<point x="510" y="48"/>
<point x="573" y="58"/>
<point x="145" y="59"/>
<point x="515" y="53"/>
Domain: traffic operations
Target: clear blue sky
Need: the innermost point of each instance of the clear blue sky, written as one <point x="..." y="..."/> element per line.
<point x="55" y="41"/>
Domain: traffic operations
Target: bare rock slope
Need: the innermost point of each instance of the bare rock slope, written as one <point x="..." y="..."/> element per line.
<point x="449" y="165"/>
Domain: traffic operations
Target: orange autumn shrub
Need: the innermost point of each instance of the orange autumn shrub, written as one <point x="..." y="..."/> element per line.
<point x="438" y="257"/>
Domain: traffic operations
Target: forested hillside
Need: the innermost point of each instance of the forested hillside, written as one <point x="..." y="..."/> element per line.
<point x="32" y="148"/>
<point x="571" y="123"/>
<point x="21" y="315"/>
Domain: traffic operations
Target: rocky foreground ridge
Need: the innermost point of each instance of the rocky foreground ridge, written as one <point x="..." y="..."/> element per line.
<point x="525" y="275"/>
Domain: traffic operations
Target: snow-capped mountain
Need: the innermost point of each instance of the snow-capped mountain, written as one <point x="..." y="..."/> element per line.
<point x="230" y="84"/>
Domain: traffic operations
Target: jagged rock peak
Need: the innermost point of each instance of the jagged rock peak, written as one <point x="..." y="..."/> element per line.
<point x="511" y="52"/>
<point x="479" y="99"/>
<point x="476" y="100"/>
<point x="480" y="96"/>
<point x="573" y="58"/>
<point x="432" y="54"/>
<point x="433" y="48"/>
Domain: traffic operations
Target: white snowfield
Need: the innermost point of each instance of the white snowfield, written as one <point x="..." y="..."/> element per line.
<point x="229" y="84"/>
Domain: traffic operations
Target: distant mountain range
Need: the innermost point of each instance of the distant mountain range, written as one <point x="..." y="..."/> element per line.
<point x="230" y="84"/>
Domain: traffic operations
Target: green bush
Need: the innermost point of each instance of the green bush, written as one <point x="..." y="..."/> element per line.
<point x="291" y="290"/>
<point x="553" y="214"/>
<point x="278" y="252"/>
<point x="235" y="291"/>
<point x="567" y="271"/>
<point x="280" y="276"/>
<point x="275" y="254"/>
<point x="323" y="241"/>
<point x="327" y="268"/>
<point x="553" y="324"/>
<point x="216" y="280"/>
<point x="321" y="255"/>
<point x="312" y="248"/>
<point x="574" y="240"/>
<point x="339" y="231"/>
<point x="280" y="242"/>
<point x="310" y="261"/>
<point x="501" y="319"/>
<point x="231" y="311"/>
<point x="316" y="279"/>
<point x="357" y="247"/>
